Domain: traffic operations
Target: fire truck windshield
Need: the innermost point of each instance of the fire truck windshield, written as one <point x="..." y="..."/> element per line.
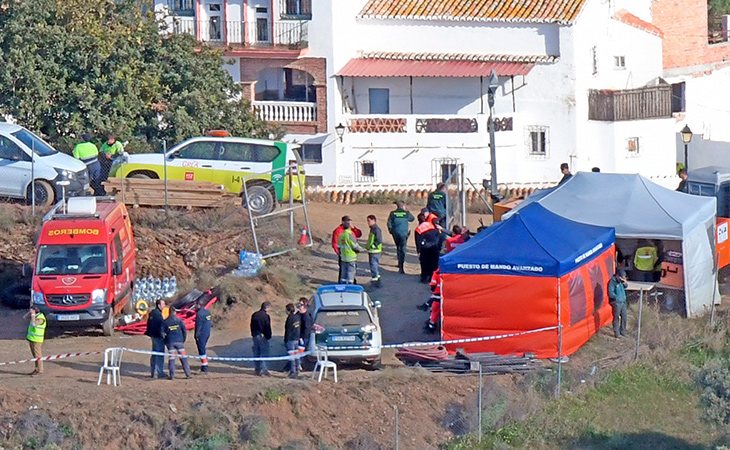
<point x="71" y="259"/>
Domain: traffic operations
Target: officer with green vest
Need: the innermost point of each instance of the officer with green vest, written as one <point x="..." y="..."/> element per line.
<point x="35" y="336"/>
<point x="349" y="248"/>
<point x="398" y="221"/>
<point x="110" y="149"/>
<point x="87" y="152"/>
<point x="374" y="248"/>
<point x="436" y="203"/>
<point x="646" y="262"/>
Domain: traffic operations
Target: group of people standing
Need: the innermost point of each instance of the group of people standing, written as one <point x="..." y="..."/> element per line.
<point x="98" y="163"/>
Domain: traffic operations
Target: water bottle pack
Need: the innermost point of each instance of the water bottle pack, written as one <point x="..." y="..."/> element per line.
<point x="249" y="264"/>
<point x="153" y="289"/>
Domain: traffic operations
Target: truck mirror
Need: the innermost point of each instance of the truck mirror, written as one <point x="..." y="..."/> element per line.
<point x="117" y="268"/>
<point x="173" y="155"/>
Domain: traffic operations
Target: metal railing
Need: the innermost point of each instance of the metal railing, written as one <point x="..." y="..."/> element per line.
<point x="291" y="33"/>
<point x="283" y="111"/>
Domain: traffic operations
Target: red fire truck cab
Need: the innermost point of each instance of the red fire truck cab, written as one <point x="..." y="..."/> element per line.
<point x="85" y="262"/>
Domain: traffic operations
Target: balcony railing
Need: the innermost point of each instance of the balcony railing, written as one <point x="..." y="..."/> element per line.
<point x="290" y="33"/>
<point x="283" y="111"/>
<point x="654" y="102"/>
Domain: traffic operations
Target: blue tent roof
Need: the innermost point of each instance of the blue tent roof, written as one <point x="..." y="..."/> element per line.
<point x="533" y="242"/>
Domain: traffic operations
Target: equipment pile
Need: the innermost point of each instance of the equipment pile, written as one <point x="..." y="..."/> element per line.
<point x="437" y="359"/>
<point x="186" y="309"/>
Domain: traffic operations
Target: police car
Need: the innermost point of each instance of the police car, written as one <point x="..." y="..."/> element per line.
<point x="346" y="322"/>
<point x="228" y="161"/>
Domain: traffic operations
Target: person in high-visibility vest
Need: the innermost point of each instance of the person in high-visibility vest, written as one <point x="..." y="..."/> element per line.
<point x="646" y="260"/>
<point x="110" y="149"/>
<point x="88" y="153"/>
<point x="35" y="336"/>
<point x="374" y="248"/>
<point x="349" y="248"/>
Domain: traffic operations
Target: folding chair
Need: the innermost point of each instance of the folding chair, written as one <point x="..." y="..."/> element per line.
<point x="112" y="364"/>
<point x="323" y="364"/>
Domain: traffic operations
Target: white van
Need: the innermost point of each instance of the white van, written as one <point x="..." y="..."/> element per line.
<point x="48" y="167"/>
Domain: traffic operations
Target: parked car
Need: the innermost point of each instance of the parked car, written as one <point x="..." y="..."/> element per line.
<point x="344" y="316"/>
<point x="18" y="168"/>
<point x="228" y="161"/>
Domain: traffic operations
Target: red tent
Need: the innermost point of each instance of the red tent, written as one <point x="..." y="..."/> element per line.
<point x="532" y="271"/>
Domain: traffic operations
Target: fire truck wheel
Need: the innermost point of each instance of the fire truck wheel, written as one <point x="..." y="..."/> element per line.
<point x="108" y="326"/>
<point x="44" y="194"/>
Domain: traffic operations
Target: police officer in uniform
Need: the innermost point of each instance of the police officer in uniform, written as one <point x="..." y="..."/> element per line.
<point x="88" y="153"/>
<point x="202" y="334"/>
<point x="436" y="204"/>
<point x="173" y="329"/>
<point x="398" y="221"/>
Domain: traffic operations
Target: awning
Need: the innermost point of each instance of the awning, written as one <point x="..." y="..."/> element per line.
<point x="371" y="67"/>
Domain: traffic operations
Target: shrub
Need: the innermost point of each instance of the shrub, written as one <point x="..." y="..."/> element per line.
<point x="715" y="383"/>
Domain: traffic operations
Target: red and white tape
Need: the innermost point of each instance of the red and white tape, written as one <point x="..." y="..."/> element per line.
<point x="50" y="358"/>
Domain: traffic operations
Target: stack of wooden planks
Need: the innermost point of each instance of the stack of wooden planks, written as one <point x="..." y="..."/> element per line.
<point x="149" y="192"/>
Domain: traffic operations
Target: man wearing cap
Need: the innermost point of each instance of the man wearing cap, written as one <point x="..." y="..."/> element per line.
<point x="349" y="248"/>
<point x="398" y="221"/>
<point x="617" y="300"/>
<point x="110" y="149"/>
<point x="436" y="203"/>
<point x="336" y="241"/>
<point x="88" y="153"/>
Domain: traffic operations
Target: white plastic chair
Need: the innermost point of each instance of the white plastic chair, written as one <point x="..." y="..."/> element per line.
<point x="112" y="364"/>
<point x="323" y="364"/>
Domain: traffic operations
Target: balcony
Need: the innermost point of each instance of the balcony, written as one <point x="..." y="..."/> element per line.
<point x="285" y="33"/>
<point x="285" y="111"/>
<point x="652" y="102"/>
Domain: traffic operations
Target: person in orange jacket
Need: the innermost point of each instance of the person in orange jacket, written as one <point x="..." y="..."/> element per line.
<point x="335" y="242"/>
<point x="458" y="237"/>
<point x="435" y="301"/>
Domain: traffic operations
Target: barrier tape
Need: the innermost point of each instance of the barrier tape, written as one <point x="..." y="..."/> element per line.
<point x="220" y="358"/>
<point x="50" y="358"/>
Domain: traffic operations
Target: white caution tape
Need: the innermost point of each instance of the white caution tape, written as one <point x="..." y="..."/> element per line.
<point x="50" y="358"/>
<point x="220" y="358"/>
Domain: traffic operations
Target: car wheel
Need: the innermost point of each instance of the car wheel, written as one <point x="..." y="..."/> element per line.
<point x="44" y="194"/>
<point x="375" y="364"/>
<point x="260" y="200"/>
<point x="108" y="326"/>
<point x="142" y="176"/>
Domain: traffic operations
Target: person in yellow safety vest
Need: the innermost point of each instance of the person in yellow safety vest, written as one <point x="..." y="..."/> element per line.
<point x="88" y="153"/>
<point x="646" y="258"/>
<point x="375" y="249"/>
<point x="36" y="335"/>
<point x="110" y="149"/>
<point x="349" y="248"/>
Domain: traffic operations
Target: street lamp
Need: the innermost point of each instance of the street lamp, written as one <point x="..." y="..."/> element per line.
<point x="340" y="130"/>
<point x="493" y="85"/>
<point x="686" y="138"/>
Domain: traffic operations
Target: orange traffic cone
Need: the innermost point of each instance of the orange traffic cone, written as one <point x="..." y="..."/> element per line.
<point x="303" y="238"/>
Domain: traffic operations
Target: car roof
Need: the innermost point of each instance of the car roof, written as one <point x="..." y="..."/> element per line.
<point x="244" y="140"/>
<point x="334" y="295"/>
<point x="6" y="127"/>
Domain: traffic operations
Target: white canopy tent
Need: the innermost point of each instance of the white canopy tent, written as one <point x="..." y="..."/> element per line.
<point x="640" y="209"/>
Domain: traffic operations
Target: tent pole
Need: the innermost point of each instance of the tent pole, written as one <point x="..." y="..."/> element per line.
<point x="638" y="326"/>
<point x="560" y="345"/>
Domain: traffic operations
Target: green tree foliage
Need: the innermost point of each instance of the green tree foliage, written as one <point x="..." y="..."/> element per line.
<point x="100" y="66"/>
<point x="718" y="7"/>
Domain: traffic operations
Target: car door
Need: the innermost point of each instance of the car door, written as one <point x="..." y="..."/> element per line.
<point x="15" y="168"/>
<point x="193" y="162"/>
<point x="246" y="161"/>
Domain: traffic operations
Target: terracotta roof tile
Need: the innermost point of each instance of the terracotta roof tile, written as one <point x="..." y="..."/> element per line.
<point x="626" y="17"/>
<point x="458" y="57"/>
<point x="546" y="11"/>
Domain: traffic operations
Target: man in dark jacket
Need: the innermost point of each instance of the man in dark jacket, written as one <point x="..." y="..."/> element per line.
<point x="202" y="334"/>
<point x="617" y="300"/>
<point x="437" y="203"/>
<point x="261" y="334"/>
<point x="173" y="329"/>
<point x="154" y="331"/>
<point x="428" y="243"/>
<point x="398" y="221"/>
<point x="565" y="170"/>
<point x="306" y="326"/>
<point x="292" y="335"/>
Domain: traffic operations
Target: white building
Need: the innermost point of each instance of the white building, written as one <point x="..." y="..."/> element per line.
<point x="408" y="81"/>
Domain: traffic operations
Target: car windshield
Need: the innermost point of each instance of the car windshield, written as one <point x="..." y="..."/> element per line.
<point x="71" y="259"/>
<point x="337" y="318"/>
<point x="34" y="142"/>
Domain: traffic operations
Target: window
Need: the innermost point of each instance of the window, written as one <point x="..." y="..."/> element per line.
<point x="239" y="151"/>
<point x="312" y="153"/>
<point x="214" y="28"/>
<point x="619" y="62"/>
<point x="118" y="251"/>
<point x="576" y="297"/>
<point x="199" y="150"/>
<point x="594" y="59"/>
<point x="35" y="143"/>
<point x="449" y="173"/>
<point x="262" y="29"/>
<point x="678" y="99"/>
<point x="182" y="7"/>
<point x="365" y="171"/>
<point x="379" y="100"/>
<point x="632" y="146"/>
<point x="299" y="9"/>
<point x="538" y="140"/>
<point x="10" y="150"/>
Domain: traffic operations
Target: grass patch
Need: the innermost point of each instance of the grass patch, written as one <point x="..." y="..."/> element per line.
<point x="273" y="395"/>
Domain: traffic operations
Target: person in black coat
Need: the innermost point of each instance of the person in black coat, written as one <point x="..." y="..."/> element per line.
<point x="154" y="331"/>
<point x="202" y="334"/>
<point x="261" y="334"/>
<point x="173" y="329"/>
<point x="292" y="335"/>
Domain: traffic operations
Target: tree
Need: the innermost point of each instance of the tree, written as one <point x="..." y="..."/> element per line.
<point x="74" y="66"/>
<point x="718" y="8"/>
